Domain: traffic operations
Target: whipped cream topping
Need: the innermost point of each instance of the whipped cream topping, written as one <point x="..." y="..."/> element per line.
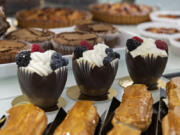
<point x="96" y="55"/>
<point x="40" y="63"/>
<point x="148" y="47"/>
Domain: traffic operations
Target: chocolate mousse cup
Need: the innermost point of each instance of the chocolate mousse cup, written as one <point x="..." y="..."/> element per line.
<point x="43" y="91"/>
<point x="146" y="70"/>
<point x="92" y="80"/>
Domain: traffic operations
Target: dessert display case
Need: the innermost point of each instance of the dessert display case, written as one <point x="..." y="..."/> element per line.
<point x="64" y="73"/>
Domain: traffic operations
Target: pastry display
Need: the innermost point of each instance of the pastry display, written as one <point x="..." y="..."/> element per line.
<point x="108" y="32"/>
<point x="25" y="119"/>
<point x="42" y="75"/>
<point x="66" y="42"/>
<point x="136" y="107"/>
<point x="173" y="91"/>
<point x="4" y="25"/>
<point x="52" y="17"/>
<point x="121" y="13"/>
<point x="162" y="30"/>
<point x="122" y="129"/>
<point x="29" y="35"/>
<point x="9" y="49"/>
<point x="82" y="119"/>
<point x="95" y="68"/>
<point x="146" y="60"/>
<point x="171" y="122"/>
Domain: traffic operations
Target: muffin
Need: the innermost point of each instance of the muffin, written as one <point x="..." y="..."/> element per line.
<point x="66" y="42"/>
<point x="42" y="75"/>
<point x="9" y="49"/>
<point x="94" y="69"/>
<point x="108" y="32"/>
<point x="146" y="60"/>
<point x="31" y="36"/>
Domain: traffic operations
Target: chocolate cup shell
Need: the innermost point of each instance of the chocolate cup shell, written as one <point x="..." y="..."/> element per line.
<point x="42" y="91"/>
<point x="94" y="81"/>
<point x="146" y="70"/>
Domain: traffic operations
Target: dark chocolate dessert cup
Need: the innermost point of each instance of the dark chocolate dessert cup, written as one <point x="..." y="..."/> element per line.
<point x="146" y="70"/>
<point x="92" y="80"/>
<point x="42" y="91"/>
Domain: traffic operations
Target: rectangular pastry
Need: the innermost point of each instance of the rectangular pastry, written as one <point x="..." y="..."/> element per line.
<point x="25" y="119"/>
<point x="122" y="129"/>
<point x="82" y="119"/>
<point x="171" y="122"/>
<point x="173" y="92"/>
<point x="135" y="110"/>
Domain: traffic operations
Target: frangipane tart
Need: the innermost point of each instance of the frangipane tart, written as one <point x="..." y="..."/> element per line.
<point x="108" y="32"/>
<point x="146" y="60"/>
<point x="66" y="42"/>
<point x="42" y="76"/>
<point x="95" y="69"/>
<point x="9" y="49"/>
<point x="52" y="17"/>
<point x="121" y="13"/>
<point x="31" y="36"/>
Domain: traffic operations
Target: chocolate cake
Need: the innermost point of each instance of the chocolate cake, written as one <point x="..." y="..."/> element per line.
<point x="66" y="42"/>
<point x="30" y="35"/>
<point x="108" y="32"/>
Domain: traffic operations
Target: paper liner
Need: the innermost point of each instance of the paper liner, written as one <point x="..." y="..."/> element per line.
<point x="92" y="80"/>
<point x="42" y="91"/>
<point x="111" y="39"/>
<point x="165" y="37"/>
<point x="146" y="70"/>
<point x="59" y="119"/>
<point x="22" y="22"/>
<point x="175" y="45"/>
<point x="118" y="19"/>
<point x="155" y="16"/>
<point x="107" y="126"/>
<point x="63" y="49"/>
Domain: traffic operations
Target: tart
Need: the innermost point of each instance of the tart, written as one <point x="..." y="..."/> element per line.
<point x="162" y="30"/>
<point x="52" y="17"/>
<point x="32" y="36"/>
<point x="108" y="32"/>
<point x="9" y="49"/>
<point x="121" y="13"/>
<point x="66" y="42"/>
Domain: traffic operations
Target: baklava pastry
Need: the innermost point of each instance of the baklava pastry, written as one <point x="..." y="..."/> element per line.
<point x="25" y="119"/>
<point x="135" y="110"/>
<point x="174" y="83"/>
<point x="171" y="122"/>
<point x="82" y="119"/>
<point x="122" y="129"/>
